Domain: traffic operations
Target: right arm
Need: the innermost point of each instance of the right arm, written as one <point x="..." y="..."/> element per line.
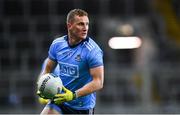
<point x="51" y="61"/>
<point x="49" y="66"/>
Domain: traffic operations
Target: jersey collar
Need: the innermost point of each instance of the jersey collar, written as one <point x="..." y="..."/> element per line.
<point x="72" y="46"/>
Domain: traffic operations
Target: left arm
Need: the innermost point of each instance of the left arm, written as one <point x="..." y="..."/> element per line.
<point x="96" y="84"/>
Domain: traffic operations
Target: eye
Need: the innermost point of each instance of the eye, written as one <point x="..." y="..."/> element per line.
<point x="81" y="24"/>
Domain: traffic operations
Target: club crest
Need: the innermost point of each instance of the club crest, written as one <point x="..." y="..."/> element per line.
<point x="78" y="58"/>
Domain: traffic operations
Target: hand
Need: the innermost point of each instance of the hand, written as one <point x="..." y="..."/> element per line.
<point x="41" y="98"/>
<point x="43" y="101"/>
<point x="40" y="95"/>
<point x="64" y="97"/>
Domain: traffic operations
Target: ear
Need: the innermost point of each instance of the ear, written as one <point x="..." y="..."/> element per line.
<point x="69" y="25"/>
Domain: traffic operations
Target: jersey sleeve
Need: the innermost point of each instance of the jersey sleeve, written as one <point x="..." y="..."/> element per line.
<point x="52" y="52"/>
<point x="95" y="58"/>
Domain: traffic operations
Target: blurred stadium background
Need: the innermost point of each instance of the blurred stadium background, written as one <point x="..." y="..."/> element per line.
<point x="141" y="80"/>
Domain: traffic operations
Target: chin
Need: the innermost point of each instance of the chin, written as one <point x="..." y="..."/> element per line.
<point x="83" y="37"/>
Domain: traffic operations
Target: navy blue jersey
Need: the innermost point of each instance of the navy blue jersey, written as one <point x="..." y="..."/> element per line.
<point x="74" y="63"/>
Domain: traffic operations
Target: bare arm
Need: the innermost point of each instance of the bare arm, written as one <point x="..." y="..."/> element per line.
<point x="96" y="84"/>
<point x="49" y="67"/>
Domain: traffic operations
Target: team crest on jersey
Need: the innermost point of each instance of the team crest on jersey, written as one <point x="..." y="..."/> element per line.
<point x="78" y="58"/>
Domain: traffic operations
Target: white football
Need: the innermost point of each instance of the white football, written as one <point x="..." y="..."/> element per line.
<point x="49" y="85"/>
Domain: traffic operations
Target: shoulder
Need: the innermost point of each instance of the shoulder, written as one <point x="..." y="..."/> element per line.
<point x="91" y="45"/>
<point x="59" y="40"/>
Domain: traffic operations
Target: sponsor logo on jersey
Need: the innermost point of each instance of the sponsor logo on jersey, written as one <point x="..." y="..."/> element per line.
<point x="69" y="70"/>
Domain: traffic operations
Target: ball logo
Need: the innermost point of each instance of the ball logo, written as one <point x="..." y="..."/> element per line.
<point x="43" y="85"/>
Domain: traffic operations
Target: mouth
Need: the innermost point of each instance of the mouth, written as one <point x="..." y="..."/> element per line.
<point x="84" y="34"/>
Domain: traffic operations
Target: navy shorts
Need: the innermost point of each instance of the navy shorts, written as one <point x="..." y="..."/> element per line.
<point x="64" y="109"/>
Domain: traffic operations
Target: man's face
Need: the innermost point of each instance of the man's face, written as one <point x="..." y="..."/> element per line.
<point x="78" y="28"/>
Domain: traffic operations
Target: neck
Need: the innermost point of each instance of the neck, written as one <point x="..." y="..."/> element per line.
<point x="73" y="41"/>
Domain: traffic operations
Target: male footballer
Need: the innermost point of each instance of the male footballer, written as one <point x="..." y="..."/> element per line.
<point x="81" y="68"/>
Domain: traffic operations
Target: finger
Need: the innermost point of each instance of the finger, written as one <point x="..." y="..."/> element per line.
<point x="43" y="101"/>
<point x="59" y="95"/>
<point x="64" y="89"/>
<point x="59" y="101"/>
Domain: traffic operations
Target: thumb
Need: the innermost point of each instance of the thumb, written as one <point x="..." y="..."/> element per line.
<point x="64" y="89"/>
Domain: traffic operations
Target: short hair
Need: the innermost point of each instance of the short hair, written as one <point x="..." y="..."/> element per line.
<point x="75" y="12"/>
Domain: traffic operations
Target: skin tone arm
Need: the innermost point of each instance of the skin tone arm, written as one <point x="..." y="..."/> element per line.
<point x="96" y="84"/>
<point x="49" y="67"/>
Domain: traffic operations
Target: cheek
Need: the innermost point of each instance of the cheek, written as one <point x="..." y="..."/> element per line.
<point x="74" y="30"/>
<point x="77" y="30"/>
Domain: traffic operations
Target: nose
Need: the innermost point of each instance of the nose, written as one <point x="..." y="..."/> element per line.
<point x="85" y="27"/>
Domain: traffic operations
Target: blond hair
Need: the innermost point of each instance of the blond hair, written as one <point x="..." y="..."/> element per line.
<point x="75" y="12"/>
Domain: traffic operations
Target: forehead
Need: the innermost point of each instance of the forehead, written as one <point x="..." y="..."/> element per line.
<point x="81" y="19"/>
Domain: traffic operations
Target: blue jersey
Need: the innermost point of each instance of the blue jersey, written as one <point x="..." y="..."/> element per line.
<point x="74" y="63"/>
